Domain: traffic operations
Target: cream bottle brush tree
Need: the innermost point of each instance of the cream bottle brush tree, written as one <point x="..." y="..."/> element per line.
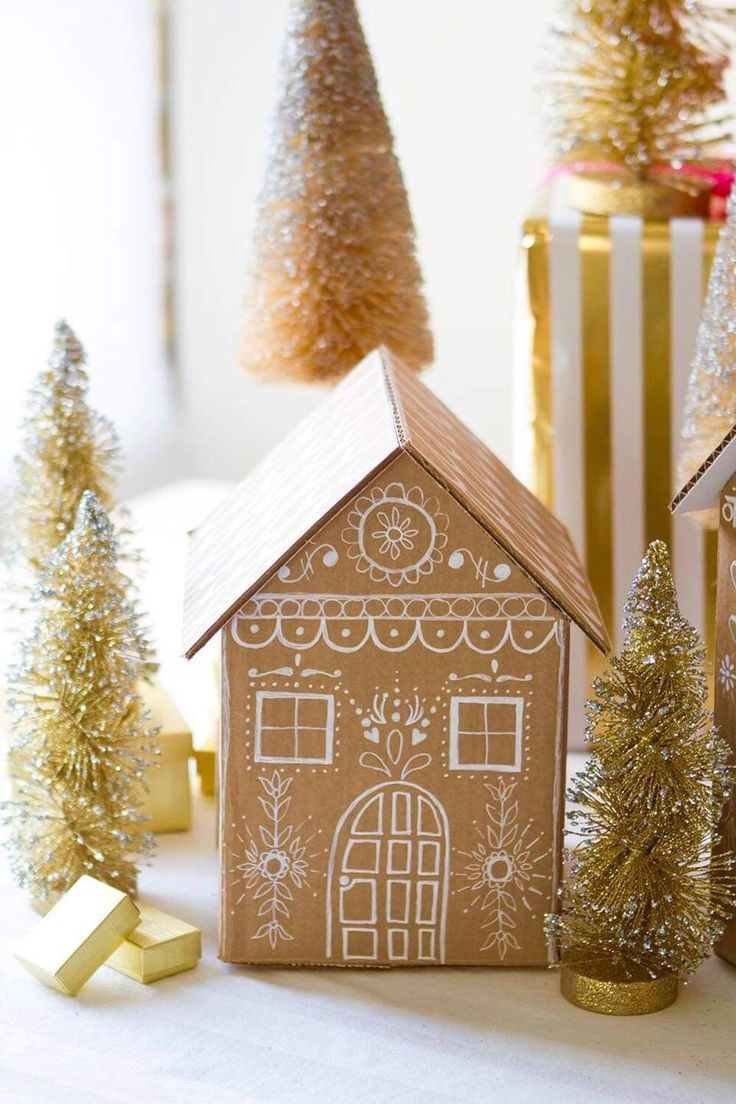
<point x="67" y="449"/>
<point x="335" y="272"/>
<point x="81" y="742"/>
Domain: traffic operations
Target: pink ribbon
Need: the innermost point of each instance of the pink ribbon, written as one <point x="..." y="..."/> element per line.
<point x="721" y="175"/>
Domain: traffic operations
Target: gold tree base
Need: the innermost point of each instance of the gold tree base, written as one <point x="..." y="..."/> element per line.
<point x="612" y="994"/>
<point x="604" y="194"/>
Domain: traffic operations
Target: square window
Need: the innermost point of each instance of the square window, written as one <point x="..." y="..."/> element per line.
<point x="312" y="712"/>
<point x="502" y="748"/>
<point x="486" y="733"/>
<point x="277" y="712"/>
<point x="277" y="743"/>
<point x="294" y="728"/>
<point x="471" y="749"/>
<point x="472" y="715"/>
<point x="310" y="743"/>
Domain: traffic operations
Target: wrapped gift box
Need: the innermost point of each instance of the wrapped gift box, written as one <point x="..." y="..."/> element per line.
<point x="78" y="935"/>
<point x="607" y="316"/>
<point x="168" y="804"/>
<point x="159" y="947"/>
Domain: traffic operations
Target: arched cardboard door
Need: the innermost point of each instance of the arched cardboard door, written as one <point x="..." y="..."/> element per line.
<point x="388" y="878"/>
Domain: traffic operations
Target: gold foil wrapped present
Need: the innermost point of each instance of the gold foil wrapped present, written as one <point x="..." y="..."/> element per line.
<point x="206" y="759"/>
<point x="159" y="946"/>
<point x="78" y="935"/>
<point x="168" y="804"/>
<point x="607" y="318"/>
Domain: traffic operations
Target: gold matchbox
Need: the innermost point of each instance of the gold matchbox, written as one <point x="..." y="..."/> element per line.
<point x="78" y="935"/>
<point x="159" y="946"/>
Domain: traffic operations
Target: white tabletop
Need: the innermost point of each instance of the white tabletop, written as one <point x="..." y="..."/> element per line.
<point x="409" y="1036"/>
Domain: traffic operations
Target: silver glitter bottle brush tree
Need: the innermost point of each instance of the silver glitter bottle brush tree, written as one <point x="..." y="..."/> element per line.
<point x="710" y="399"/>
<point x="81" y="737"/>
<point x="335" y="272"/>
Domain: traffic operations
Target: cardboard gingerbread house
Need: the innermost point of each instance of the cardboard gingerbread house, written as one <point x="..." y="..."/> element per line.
<point x="713" y="487"/>
<point x="395" y="610"/>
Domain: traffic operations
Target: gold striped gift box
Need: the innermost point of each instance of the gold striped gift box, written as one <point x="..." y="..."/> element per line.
<point x="607" y="315"/>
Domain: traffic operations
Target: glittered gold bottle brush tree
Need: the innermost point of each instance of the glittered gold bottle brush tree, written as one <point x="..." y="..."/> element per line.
<point x="644" y="898"/>
<point x="67" y="449"/>
<point x="81" y="742"/>
<point x="335" y="272"/>
<point x="635" y="94"/>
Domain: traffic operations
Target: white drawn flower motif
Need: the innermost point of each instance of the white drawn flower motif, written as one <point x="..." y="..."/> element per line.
<point x="395" y="532"/>
<point x="727" y="674"/>
<point x="501" y="873"/>
<point x="396" y="535"/>
<point x="273" y="862"/>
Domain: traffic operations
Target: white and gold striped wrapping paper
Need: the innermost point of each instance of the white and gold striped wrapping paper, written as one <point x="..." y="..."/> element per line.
<point x="607" y="316"/>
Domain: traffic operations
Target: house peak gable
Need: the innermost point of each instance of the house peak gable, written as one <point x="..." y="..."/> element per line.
<point x="703" y="489"/>
<point x="379" y="411"/>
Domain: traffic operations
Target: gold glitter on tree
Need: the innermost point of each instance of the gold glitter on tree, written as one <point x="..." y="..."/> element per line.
<point x="81" y="742"/>
<point x="637" y="83"/>
<point x="644" y="897"/>
<point x="67" y="449"/>
<point x="710" y="400"/>
<point x="335" y="272"/>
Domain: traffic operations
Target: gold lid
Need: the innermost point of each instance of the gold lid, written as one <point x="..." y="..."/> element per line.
<point x="604" y="194"/>
<point x="612" y="994"/>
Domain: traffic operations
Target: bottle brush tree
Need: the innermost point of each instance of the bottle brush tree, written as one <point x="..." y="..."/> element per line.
<point x="638" y="83"/>
<point x="644" y="896"/>
<point x="81" y="741"/>
<point x="335" y="272"/>
<point x="710" y="399"/>
<point x="67" y="449"/>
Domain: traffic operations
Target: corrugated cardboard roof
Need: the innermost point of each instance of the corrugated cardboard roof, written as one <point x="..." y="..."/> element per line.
<point x="703" y="489"/>
<point x="380" y="409"/>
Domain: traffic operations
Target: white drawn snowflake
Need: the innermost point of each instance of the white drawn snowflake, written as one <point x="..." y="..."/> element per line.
<point x="501" y="872"/>
<point x="274" y="862"/>
<point x="396" y="535"/>
<point x="727" y="674"/>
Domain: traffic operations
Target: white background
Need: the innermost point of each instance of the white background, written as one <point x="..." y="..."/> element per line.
<point x="80" y="200"/>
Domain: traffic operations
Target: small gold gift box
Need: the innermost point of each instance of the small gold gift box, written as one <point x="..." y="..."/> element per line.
<point x="206" y="759"/>
<point x="159" y="946"/>
<point x="78" y="935"/>
<point x="168" y="804"/>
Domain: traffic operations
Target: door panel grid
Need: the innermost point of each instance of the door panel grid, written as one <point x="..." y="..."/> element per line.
<point x="389" y="878"/>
